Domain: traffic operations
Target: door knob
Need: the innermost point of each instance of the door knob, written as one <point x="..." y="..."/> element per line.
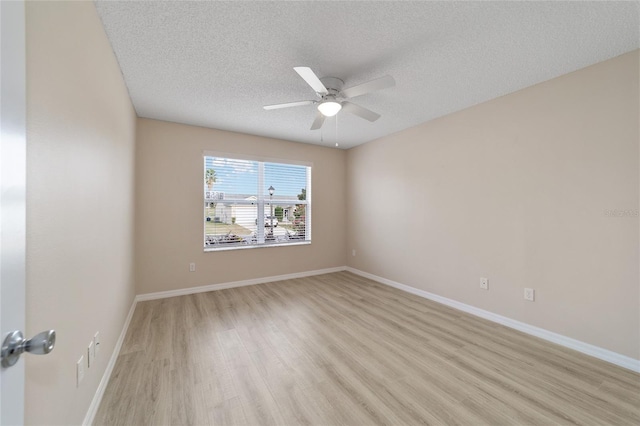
<point x="15" y="344"/>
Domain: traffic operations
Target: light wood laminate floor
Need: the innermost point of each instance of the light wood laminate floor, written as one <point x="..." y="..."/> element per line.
<point x="338" y="349"/>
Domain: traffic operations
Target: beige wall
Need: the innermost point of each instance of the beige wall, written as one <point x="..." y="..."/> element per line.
<point x="169" y="209"/>
<point x="80" y="158"/>
<point x="515" y="190"/>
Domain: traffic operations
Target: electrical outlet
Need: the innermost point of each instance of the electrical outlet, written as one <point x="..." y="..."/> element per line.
<point x="96" y="343"/>
<point x="484" y="283"/>
<point x="353" y="252"/>
<point x="79" y="371"/>
<point x="192" y="267"/>
<point x="529" y="294"/>
<point x="91" y="354"/>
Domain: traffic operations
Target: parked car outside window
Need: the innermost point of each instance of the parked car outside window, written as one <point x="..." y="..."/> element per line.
<point x="267" y="221"/>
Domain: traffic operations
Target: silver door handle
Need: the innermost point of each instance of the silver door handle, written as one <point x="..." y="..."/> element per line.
<point x="15" y="344"/>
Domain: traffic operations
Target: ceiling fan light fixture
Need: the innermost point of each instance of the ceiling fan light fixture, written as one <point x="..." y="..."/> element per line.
<point x="329" y="108"/>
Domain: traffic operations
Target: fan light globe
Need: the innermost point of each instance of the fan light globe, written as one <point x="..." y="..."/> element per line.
<point x="329" y="108"/>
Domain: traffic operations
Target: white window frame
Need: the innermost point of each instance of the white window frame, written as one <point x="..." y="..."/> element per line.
<point x="262" y="201"/>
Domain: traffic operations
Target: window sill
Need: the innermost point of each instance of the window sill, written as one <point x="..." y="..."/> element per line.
<point x="255" y="246"/>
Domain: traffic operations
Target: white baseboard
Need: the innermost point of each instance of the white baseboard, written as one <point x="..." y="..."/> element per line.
<point x="233" y="284"/>
<point x="585" y="348"/>
<point x="97" y="398"/>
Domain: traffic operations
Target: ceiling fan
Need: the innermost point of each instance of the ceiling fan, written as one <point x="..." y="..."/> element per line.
<point x="333" y="97"/>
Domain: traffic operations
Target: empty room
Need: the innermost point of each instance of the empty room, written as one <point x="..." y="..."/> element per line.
<point x="320" y="212"/>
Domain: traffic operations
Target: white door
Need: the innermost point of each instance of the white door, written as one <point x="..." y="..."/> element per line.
<point x="12" y="200"/>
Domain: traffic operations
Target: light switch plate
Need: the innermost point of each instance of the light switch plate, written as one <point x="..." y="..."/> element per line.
<point x="96" y="343"/>
<point x="79" y="371"/>
<point x="90" y="354"/>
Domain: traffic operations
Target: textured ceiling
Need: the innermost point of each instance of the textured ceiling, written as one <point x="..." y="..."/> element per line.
<point x="215" y="64"/>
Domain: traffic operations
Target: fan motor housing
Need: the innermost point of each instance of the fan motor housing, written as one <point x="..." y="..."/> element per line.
<point x="333" y="84"/>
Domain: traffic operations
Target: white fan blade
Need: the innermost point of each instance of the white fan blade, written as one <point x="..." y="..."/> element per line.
<point x="318" y="122"/>
<point x="369" y="86"/>
<point x="312" y="79"/>
<point x="360" y="111"/>
<point x="288" y="104"/>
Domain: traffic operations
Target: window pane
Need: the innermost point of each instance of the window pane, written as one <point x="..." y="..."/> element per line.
<point x="230" y="179"/>
<point x="287" y="227"/>
<point x="229" y="223"/>
<point x="289" y="181"/>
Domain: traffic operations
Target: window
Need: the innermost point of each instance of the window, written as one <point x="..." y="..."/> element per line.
<point x="251" y="203"/>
